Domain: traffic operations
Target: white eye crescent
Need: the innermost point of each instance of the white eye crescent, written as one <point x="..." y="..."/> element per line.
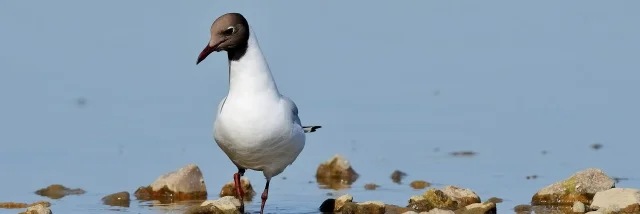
<point x="230" y="30"/>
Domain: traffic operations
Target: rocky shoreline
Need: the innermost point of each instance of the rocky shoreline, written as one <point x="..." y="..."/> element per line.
<point x="588" y="191"/>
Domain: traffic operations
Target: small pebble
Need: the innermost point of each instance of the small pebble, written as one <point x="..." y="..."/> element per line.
<point x="522" y="208"/>
<point x="419" y="184"/>
<point x="495" y="200"/>
<point x="463" y="153"/>
<point x="371" y="186"/>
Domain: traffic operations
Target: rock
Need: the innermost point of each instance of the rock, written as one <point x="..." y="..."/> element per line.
<point x="578" y="207"/>
<point x="371" y="186"/>
<point x="121" y="199"/>
<point x="620" y="198"/>
<point x="15" y="205"/>
<point x="438" y="211"/>
<point x="41" y="207"/>
<point x="224" y="205"/>
<point x="432" y="198"/>
<point x="12" y="205"/>
<point x="328" y="205"/>
<point x="523" y="208"/>
<point x="419" y="184"/>
<point x="393" y="209"/>
<point x="478" y="208"/>
<point x="581" y="186"/>
<point x="397" y="176"/>
<point x="186" y="183"/>
<point x="229" y="189"/>
<point x="341" y="201"/>
<point x="495" y="200"/>
<point x="349" y="208"/>
<point x="371" y="207"/>
<point x="336" y="173"/>
<point x="410" y="212"/>
<point x="464" y="197"/>
<point x="57" y="191"/>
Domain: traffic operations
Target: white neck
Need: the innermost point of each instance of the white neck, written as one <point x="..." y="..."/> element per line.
<point x="250" y="75"/>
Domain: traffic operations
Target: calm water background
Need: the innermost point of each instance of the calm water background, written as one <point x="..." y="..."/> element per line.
<point x="395" y="85"/>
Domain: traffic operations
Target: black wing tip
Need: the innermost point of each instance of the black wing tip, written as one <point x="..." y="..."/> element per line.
<point x="312" y="128"/>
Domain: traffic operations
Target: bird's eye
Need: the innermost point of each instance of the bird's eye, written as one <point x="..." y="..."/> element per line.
<point x="228" y="31"/>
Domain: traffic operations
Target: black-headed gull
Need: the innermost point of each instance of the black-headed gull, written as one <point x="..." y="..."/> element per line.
<point x="256" y="126"/>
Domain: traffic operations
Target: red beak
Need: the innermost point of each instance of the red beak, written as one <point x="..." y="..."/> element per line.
<point x="207" y="50"/>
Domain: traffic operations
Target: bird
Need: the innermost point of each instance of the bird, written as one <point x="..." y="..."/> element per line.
<point x="256" y="126"/>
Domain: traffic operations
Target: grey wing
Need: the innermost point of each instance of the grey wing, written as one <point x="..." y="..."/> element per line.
<point x="296" y="118"/>
<point x="221" y="104"/>
<point x="294" y="109"/>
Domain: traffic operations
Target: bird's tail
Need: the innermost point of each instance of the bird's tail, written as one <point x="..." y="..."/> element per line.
<point x="308" y="129"/>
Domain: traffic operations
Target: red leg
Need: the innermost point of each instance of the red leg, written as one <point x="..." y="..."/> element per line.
<point x="265" y="195"/>
<point x="238" y="184"/>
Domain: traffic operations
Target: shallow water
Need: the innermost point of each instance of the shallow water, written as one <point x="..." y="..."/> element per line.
<point x="101" y="172"/>
<point x="505" y="80"/>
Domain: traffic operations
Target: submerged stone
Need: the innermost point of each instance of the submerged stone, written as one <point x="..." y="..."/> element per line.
<point x="419" y="184"/>
<point x="57" y="191"/>
<point x="371" y="186"/>
<point x="397" y="176"/>
<point x="120" y="199"/>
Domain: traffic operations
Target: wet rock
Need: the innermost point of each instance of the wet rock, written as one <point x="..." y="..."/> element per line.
<point x="336" y="173"/>
<point x="349" y="208"/>
<point x="532" y="177"/>
<point x="495" y="200"/>
<point x="578" y="207"/>
<point x="186" y="183"/>
<point x="438" y="211"/>
<point x="581" y="186"/>
<point x="419" y="184"/>
<point x="224" y="205"/>
<point x="616" y="198"/>
<point x="463" y="153"/>
<point x="523" y="208"/>
<point x="432" y="198"/>
<point x="57" y="191"/>
<point x="371" y="207"/>
<point x="328" y="205"/>
<point x="371" y="186"/>
<point x="478" y="208"/>
<point x="341" y="201"/>
<point x="393" y="209"/>
<point x="38" y="208"/>
<point x="12" y="205"/>
<point x="120" y="199"/>
<point x="397" y="176"/>
<point x="462" y="196"/>
<point x="229" y="189"/>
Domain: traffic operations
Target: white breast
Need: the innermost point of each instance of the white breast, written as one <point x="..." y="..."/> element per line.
<point x="255" y="126"/>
